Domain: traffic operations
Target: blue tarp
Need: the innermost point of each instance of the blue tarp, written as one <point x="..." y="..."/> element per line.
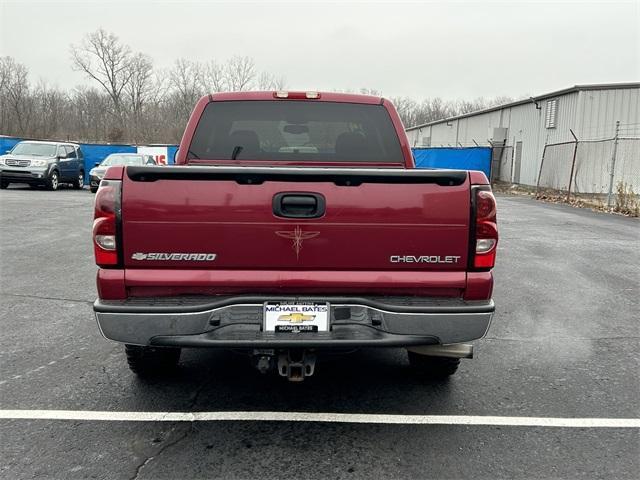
<point x="171" y="152"/>
<point x="463" y="158"/>
<point x="7" y="143"/>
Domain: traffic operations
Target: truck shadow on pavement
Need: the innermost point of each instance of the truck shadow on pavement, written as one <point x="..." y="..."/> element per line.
<point x="367" y="381"/>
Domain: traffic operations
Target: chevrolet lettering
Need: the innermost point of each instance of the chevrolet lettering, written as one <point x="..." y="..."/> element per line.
<point x="424" y="259"/>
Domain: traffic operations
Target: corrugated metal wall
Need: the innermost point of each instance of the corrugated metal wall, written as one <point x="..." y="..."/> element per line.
<point x="590" y="113"/>
<point x="478" y="128"/>
<point x="444" y="134"/>
<point x="599" y="110"/>
<point x="524" y="122"/>
<point x="416" y="136"/>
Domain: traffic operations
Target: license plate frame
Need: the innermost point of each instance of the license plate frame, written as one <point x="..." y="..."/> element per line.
<point x="294" y="317"/>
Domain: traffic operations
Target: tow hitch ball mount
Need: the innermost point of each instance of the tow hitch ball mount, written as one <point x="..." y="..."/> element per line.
<point x="295" y="365"/>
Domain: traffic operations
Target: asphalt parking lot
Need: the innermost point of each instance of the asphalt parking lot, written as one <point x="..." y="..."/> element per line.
<point x="564" y="343"/>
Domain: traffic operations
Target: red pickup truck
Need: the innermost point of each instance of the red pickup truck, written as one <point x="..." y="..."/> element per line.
<point x="294" y="223"/>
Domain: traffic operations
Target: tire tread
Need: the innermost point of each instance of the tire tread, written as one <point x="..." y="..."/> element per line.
<point x="151" y="361"/>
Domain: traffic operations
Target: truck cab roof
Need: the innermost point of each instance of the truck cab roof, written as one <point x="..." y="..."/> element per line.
<point x="297" y="95"/>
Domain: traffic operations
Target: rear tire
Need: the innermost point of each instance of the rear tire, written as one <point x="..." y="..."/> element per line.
<point x="436" y="368"/>
<point x="3" y="185"/>
<point x="53" y="182"/>
<point x="151" y="361"/>
<point x="78" y="183"/>
<point x="93" y="189"/>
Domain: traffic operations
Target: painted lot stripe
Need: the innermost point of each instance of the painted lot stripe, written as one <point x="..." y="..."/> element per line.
<point x="90" y="415"/>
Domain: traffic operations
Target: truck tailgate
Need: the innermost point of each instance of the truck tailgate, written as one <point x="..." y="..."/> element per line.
<point x="382" y="219"/>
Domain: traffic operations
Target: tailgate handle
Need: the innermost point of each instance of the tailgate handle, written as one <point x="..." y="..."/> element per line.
<point x="298" y="205"/>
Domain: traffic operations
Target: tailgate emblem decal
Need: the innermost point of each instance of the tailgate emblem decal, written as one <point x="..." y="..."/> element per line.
<point x="298" y="236"/>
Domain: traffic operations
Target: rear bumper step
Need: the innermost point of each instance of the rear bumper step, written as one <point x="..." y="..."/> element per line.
<point x="236" y="322"/>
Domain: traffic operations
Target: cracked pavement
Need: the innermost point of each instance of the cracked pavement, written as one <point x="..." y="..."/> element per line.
<point x="564" y="343"/>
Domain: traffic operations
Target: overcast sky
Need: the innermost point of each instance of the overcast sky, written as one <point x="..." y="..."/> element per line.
<point x="420" y="49"/>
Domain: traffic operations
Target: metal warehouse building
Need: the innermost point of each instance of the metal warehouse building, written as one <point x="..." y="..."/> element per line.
<point x="525" y="127"/>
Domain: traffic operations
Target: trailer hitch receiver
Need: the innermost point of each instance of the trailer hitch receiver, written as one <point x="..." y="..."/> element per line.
<point x="296" y="365"/>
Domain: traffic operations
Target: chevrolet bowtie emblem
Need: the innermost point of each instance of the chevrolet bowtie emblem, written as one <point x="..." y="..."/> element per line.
<point x="298" y="236"/>
<point x="296" y="318"/>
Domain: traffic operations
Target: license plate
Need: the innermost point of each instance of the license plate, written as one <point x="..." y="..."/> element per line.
<point x="296" y="317"/>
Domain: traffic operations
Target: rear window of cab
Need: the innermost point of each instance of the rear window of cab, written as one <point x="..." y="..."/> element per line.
<point x="295" y="131"/>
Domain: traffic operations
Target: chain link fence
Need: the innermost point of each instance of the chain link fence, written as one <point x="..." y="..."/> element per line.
<point x="555" y="169"/>
<point x="592" y="167"/>
<point x="599" y="170"/>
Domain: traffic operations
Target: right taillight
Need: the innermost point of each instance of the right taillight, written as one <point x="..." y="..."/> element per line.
<point x="106" y="223"/>
<point x="485" y="229"/>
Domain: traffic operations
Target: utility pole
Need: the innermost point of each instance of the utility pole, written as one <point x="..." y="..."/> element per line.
<point x="613" y="165"/>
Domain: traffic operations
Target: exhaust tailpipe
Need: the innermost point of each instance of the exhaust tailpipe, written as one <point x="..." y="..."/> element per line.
<point x="454" y="350"/>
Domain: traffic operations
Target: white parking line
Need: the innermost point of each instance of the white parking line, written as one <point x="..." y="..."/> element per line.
<point x="90" y="415"/>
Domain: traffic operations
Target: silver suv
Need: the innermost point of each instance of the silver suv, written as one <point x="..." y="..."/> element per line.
<point x="43" y="163"/>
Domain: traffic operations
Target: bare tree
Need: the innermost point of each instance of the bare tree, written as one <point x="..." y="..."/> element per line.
<point x="503" y="99"/>
<point x="240" y="73"/>
<point x="407" y="109"/>
<point x="213" y="77"/>
<point x="158" y="114"/>
<point x="6" y="65"/>
<point x="186" y="79"/>
<point x="17" y="96"/>
<point x="415" y="113"/>
<point x="103" y="58"/>
<point x="151" y="106"/>
<point x="438" y="109"/>
<point x="52" y="106"/>
<point x="138" y="90"/>
<point x="91" y="107"/>
<point x="479" y="103"/>
<point x="268" y="81"/>
<point x="140" y="83"/>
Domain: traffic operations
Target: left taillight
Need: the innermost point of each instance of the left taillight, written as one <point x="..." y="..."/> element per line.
<point x="106" y="223"/>
<point x="484" y="241"/>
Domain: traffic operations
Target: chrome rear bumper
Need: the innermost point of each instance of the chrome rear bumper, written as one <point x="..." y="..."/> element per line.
<point x="236" y="322"/>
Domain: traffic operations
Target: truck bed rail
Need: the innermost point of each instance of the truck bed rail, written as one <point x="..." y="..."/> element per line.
<point x="259" y="175"/>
